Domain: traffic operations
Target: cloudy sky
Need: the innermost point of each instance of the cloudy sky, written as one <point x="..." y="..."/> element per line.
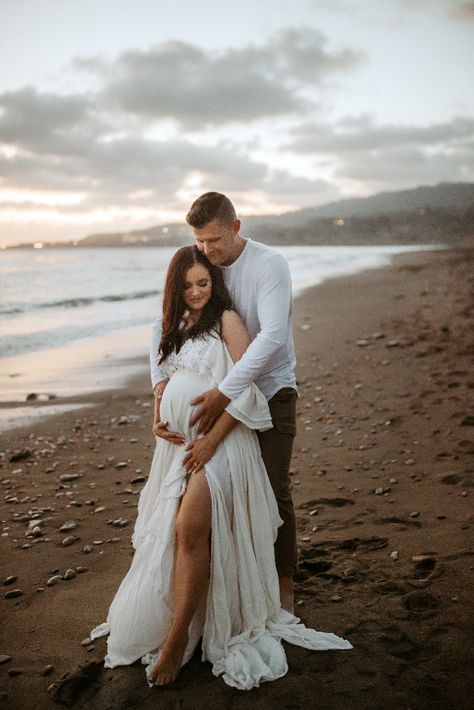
<point x="116" y="114"/>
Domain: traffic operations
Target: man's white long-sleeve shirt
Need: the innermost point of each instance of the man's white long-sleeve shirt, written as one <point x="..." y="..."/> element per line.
<point x="259" y="283"/>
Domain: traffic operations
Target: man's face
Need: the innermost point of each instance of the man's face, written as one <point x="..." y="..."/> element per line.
<point x="217" y="241"/>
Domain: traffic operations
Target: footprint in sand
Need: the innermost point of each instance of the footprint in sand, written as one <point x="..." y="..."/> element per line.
<point x="388" y="587"/>
<point x="363" y="544"/>
<point x="308" y="570"/>
<point x="398" y="643"/>
<point x="454" y="478"/>
<point x="316" y="566"/>
<point x="75" y="686"/>
<point x="403" y="523"/>
<point x="420" y="600"/>
<point x="336" y="502"/>
<point x="425" y="567"/>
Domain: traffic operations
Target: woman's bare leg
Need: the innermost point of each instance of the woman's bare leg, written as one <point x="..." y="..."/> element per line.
<point x="191" y="574"/>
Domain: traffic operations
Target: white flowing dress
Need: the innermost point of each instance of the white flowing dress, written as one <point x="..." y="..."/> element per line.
<point x="240" y="622"/>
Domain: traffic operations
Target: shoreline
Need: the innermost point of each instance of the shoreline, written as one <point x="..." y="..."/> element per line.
<point x="381" y="480"/>
<point x="60" y="376"/>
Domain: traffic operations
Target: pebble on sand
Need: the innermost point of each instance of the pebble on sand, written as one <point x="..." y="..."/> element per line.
<point x="120" y="523"/>
<point x="12" y="593"/>
<point x="69" y="476"/>
<point x="68" y="525"/>
<point x="9" y="580"/>
<point x="20" y="455"/>
<point x="54" y="580"/>
<point x="69" y="540"/>
<point x="14" y="671"/>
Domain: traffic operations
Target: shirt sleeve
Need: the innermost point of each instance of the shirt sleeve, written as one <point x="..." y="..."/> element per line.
<point x="274" y="303"/>
<point x="157" y="373"/>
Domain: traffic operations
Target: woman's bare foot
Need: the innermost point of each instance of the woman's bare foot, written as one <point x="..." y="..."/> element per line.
<point x="168" y="665"/>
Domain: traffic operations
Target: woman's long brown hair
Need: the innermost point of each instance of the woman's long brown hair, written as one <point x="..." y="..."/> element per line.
<point x="174" y="306"/>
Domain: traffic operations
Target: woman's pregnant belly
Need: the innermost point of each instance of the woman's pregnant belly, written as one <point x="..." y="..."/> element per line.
<point x="175" y="407"/>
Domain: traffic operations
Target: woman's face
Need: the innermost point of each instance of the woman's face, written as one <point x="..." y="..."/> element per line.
<point x="197" y="287"/>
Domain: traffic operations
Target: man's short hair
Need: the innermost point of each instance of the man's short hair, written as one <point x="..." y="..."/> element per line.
<point x="211" y="205"/>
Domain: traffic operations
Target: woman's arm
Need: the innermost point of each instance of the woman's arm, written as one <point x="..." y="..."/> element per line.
<point x="160" y="428"/>
<point x="158" y="390"/>
<point x="237" y="340"/>
<point x="234" y="334"/>
<point x="213" y="402"/>
<point x="159" y="381"/>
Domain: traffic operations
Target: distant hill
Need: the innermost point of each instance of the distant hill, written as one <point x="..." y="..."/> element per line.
<point x="426" y="226"/>
<point x="160" y="235"/>
<point x="441" y="213"/>
<point x="445" y="196"/>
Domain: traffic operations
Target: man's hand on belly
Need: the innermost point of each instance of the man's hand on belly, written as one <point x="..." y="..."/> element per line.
<point x="212" y="404"/>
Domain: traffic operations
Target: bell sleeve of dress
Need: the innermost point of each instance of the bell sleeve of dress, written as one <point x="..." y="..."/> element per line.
<point x="250" y="407"/>
<point x="156" y="372"/>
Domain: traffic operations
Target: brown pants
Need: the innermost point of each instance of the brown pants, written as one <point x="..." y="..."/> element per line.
<point x="276" y="446"/>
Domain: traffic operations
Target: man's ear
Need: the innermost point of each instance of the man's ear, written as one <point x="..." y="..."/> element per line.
<point x="236" y="225"/>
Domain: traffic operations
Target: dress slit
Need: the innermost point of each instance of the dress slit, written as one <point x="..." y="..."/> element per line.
<point x="240" y="619"/>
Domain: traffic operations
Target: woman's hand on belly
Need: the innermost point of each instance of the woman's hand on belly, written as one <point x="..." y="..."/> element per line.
<point x="199" y="453"/>
<point x="172" y="437"/>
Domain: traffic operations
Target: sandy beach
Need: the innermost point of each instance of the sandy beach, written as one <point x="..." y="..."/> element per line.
<point x="382" y="481"/>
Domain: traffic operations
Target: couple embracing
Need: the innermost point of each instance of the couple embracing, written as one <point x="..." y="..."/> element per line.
<point x="215" y="538"/>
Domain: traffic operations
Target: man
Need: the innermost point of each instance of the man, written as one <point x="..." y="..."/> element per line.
<point x="259" y="283"/>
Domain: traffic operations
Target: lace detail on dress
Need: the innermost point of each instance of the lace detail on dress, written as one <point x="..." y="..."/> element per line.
<point x="191" y="357"/>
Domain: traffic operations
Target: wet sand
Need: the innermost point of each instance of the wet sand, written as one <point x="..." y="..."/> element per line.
<point x="93" y="364"/>
<point x="382" y="482"/>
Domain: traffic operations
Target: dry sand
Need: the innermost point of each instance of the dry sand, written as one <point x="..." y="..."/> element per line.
<point x="382" y="482"/>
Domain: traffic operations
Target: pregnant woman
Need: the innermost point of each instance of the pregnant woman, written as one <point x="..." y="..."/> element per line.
<point x="207" y="521"/>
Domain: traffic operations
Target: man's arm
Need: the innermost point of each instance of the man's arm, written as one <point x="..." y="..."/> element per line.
<point x="273" y="304"/>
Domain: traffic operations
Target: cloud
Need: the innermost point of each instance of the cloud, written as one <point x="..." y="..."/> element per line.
<point x="108" y="145"/>
<point x="180" y="81"/>
<point x="403" y="167"/>
<point x="355" y="134"/>
<point x="390" y="155"/>
<point x="136" y="171"/>
<point x="453" y="9"/>
<point x="48" y="123"/>
<point x="397" y="11"/>
<point x="463" y="11"/>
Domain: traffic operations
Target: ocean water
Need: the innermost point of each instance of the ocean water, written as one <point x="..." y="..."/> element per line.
<point x="52" y="297"/>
